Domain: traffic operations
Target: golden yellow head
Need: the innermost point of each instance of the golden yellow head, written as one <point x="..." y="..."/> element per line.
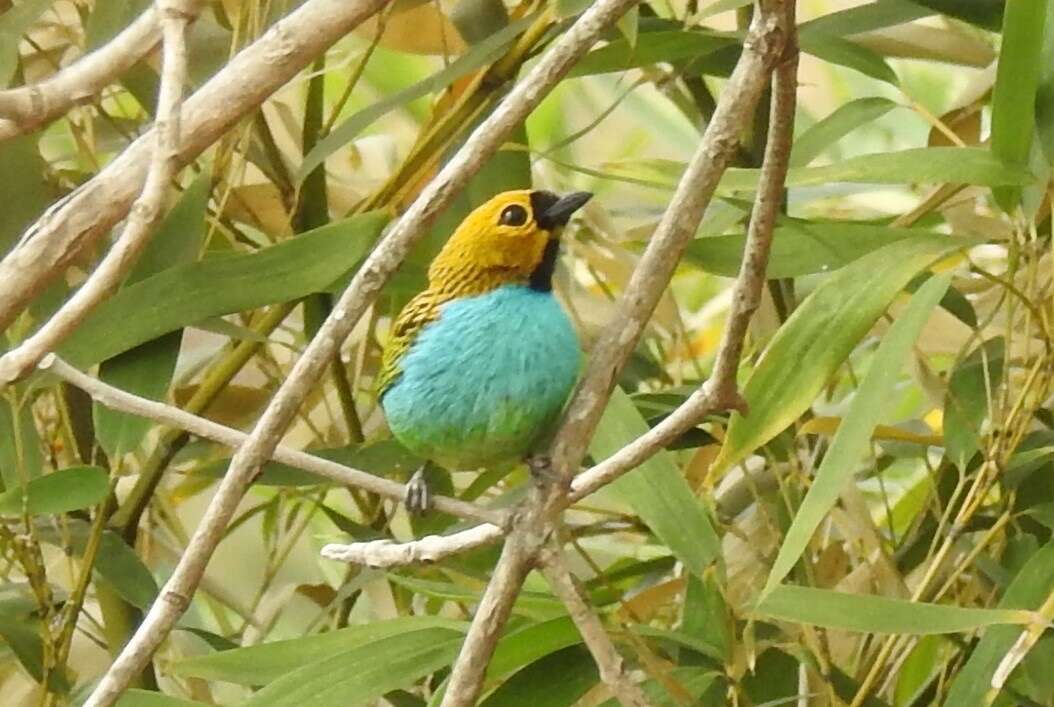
<point x="511" y="238"/>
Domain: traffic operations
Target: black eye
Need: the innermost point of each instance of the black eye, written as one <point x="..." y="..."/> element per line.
<point x="514" y="215"/>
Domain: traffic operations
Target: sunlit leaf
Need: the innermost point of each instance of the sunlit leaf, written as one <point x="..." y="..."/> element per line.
<point x="58" y="492"/>
<point x="876" y="614"/>
<point x="852" y="441"/>
<point x="818" y="337"/>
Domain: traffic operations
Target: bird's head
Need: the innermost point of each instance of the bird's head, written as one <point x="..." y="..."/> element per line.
<point x="510" y="238"/>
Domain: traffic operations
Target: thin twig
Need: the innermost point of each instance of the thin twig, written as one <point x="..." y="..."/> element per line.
<point x="26" y="108"/>
<point x="382" y="262"/>
<point x="610" y="664"/>
<point x="146" y="213"/>
<point x="76" y="222"/>
<point x="535" y="521"/>
<point x="122" y="401"/>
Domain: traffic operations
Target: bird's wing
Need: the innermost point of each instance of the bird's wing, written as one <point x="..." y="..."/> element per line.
<point x="418" y="312"/>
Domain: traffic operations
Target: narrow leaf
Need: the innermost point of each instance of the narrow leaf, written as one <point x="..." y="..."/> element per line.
<point x="844" y="120"/>
<point x="58" y="492"/>
<point x="853" y="439"/>
<point x="875" y="614"/>
<point x="656" y="490"/>
<point x="818" y="337"/>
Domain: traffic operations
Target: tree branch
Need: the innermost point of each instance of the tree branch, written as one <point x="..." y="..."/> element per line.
<point x="146" y="212"/>
<point x="537" y="518"/>
<point x="554" y="566"/>
<point x="81" y="218"/>
<point x="26" y="108"/>
<point x="367" y="282"/>
<point x="118" y="399"/>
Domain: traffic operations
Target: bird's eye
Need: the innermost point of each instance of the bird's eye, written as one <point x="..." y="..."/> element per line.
<point x="514" y="215"/>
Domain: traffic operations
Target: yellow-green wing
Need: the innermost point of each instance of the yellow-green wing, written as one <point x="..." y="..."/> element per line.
<point x="421" y="310"/>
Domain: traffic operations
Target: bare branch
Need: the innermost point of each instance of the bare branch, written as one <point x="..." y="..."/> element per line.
<point x="538" y="516"/>
<point x="386" y="257"/>
<point x="554" y="566"/>
<point x="207" y="429"/>
<point x="431" y="548"/>
<point x="27" y="108"/>
<point x="85" y="215"/>
<point x="146" y="212"/>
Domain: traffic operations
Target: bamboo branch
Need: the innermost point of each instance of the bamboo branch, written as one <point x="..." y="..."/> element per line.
<point x="26" y="108"/>
<point x="382" y="262"/>
<point x="536" y="520"/>
<point x="122" y="401"/>
<point x="554" y="566"/>
<point x="146" y="213"/>
<point x="76" y="222"/>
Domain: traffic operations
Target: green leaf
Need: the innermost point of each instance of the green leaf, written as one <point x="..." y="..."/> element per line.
<point x="24" y="641"/>
<point x="696" y="681"/>
<point x="1029" y="589"/>
<point x="1014" y="93"/>
<point x="1045" y="89"/>
<point x="662" y="46"/>
<point x="13" y="24"/>
<point x="531" y="643"/>
<point x="818" y="337"/>
<point x="24" y="197"/>
<point x="118" y="565"/>
<point x="362" y="674"/>
<point x="258" y="665"/>
<point x="557" y="680"/>
<point x="656" y="490"/>
<point x="20" y="451"/>
<point x="58" y="492"/>
<point x="147" y="369"/>
<point x="184" y="294"/>
<point x="966" y="404"/>
<point x="922" y="165"/>
<point x="149" y="698"/>
<point x="844" y="120"/>
<point x="865" y="18"/>
<point x="706" y="618"/>
<point x="836" y="50"/>
<point x="852" y="441"/>
<point x="983" y="13"/>
<point x="803" y="247"/>
<point x="874" y="614"/>
<point x="480" y="55"/>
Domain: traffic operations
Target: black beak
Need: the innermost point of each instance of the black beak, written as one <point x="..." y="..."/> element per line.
<point x="558" y="212"/>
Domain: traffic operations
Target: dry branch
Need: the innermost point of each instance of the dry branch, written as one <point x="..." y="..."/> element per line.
<point x="146" y="213"/>
<point x="117" y="399"/>
<point x="537" y="518"/>
<point x="382" y="262"/>
<point x="85" y="215"/>
<point x="609" y="662"/>
<point x="27" y="108"/>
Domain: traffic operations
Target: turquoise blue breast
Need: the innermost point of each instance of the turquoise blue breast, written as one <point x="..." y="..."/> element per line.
<point x="486" y="380"/>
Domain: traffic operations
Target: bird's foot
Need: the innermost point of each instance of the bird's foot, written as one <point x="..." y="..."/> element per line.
<point x="418" y="498"/>
<point x="541" y="468"/>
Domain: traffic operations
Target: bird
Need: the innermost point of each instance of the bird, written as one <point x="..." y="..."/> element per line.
<point x="478" y="365"/>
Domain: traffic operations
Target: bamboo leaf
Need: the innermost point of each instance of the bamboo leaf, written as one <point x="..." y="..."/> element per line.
<point x="656" y="490"/>
<point x="1030" y="586"/>
<point x="1014" y="94"/>
<point x="853" y="439"/>
<point x="184" y="294"/>
<point x="875" y="614"/>
<point x="842" y="121"/>
<point x="256" y="665"/>
<point x="818" y="337"/>
<point x="378" y="667"/>
<point x="58" y="492"/>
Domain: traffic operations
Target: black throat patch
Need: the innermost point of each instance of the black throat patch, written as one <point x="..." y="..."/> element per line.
<point x="542" y="277"/>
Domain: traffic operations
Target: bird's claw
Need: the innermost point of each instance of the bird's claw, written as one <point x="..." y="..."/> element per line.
<point x="418" y="498"/>
<point x="541" y="468"/>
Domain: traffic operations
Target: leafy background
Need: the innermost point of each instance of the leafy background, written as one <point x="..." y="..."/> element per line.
<point x="873" y="532"/>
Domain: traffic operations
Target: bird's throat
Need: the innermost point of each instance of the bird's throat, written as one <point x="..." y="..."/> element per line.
<point x="541" y="279"/>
